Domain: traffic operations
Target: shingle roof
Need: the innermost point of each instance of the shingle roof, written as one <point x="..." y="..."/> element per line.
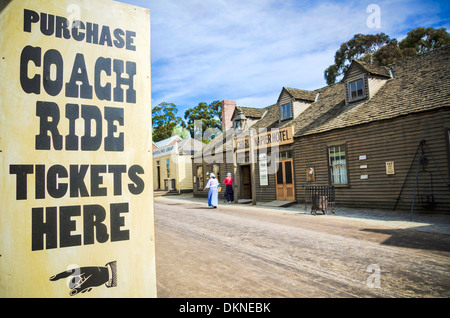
<point x="270" y="118"/>
<point x="371" y="69"/>
<point x="251" y="112"/>
<point x="167" y="141"/>
<point x="301" y="94"/>
<point x="420" y="83"/>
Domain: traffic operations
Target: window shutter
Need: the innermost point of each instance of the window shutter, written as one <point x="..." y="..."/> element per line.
<point x="347" y="98"/>
<point x="366" y="86"/>
<point x="291" y="105"/>
<point x="280" y="114"/>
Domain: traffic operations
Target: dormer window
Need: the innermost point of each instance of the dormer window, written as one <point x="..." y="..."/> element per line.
<point x="285" y="111"/>
<point x="356" y="89"/>
<point x="292" y="102"/>
<point x="363" y="80"/>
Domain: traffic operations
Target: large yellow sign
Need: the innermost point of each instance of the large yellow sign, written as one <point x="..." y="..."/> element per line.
<point x="76" y="211"/>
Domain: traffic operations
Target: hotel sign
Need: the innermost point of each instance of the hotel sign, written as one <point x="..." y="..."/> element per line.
<point x="271" y="138"/>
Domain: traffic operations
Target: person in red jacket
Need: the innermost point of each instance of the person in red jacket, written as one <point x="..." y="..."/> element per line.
<point x="229" y="193"/>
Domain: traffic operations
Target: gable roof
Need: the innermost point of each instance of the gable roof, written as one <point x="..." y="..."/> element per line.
<point x="249" y="112"/>
<point x="369" y="69"/>
<point x="267" y="117"/>
<point x="420" y="83"/>
<point x="299" y="94"/>
<point x="167" y="141"/>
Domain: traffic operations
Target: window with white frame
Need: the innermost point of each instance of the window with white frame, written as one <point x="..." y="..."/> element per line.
<point x="285" y="111"/>
<point x="356" y="89"/>
<point x="168" y="167"/>
<point x="338" y="164"/>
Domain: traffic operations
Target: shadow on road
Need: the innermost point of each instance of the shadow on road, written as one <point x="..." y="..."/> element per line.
<point x="414" y="239"/>
<point x="201" y="208"/>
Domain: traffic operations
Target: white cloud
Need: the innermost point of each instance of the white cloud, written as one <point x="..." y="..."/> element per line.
<point x="248" y="50"/>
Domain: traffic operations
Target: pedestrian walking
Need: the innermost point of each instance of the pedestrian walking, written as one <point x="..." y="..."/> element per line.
<point x="229" y="193"/>
<point x="213" y="194"/>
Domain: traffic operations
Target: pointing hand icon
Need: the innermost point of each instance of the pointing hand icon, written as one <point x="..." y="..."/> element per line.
<point x="85" y="278"/>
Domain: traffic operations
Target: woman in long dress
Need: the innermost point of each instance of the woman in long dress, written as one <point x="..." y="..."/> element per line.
<point x="213" y="194"/>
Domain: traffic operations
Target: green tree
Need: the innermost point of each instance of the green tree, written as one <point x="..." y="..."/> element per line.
<point x="422" y="40"/>
<point x="379" y="49"/>
<point x="388" y="54"/>
<point x="359" y="47"/>
<point x="209" y="115"/>
<point x="182" y="132"/>
<point x="164" y="120"/>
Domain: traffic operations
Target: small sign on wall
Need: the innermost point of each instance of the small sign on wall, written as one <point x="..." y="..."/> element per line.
<point x="263" y="172"/>
<point x="310" y="174"/>
<point x="390" y="168"/>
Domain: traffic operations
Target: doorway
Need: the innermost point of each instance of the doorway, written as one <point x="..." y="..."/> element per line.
<point x="285" y="181"/>
<point x="246" y="182"/>
<point x="158" y="174"/>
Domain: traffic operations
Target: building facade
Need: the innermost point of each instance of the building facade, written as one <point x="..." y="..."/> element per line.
<point x="380" y="138"/>
<point x="172" y="165"/>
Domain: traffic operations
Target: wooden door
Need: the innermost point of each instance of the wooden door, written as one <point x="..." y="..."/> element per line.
<point x="246" y="182"/>
<point x="285" y="181"/>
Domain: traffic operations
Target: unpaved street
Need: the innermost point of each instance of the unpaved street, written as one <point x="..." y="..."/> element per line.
<point x="237" y="251"/>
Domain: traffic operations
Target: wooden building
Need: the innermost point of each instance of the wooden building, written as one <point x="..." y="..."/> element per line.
<point x="254" y="173"/>
<point x="172" y="164"/>
<point x="380" y="137"/>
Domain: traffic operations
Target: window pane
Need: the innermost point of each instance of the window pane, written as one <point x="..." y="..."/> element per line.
<point x="353" y="90"/>
<point x="288" y="170"/>
<point x="285" y="111"/>
<point x="356" y="89"/>
<point x="338" y="166"/>
<point x="168" y="167"/>
<point x="359" y="88"/>
<point x="280" y="173"/>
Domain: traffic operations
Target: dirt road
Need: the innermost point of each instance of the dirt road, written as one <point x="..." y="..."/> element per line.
<point x="236" y="251"/>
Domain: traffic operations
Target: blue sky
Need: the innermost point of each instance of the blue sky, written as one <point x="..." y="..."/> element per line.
<point x="207" y="50"/>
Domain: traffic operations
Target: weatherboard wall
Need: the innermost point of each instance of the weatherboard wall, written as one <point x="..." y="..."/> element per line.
<point x="379" y="142"/>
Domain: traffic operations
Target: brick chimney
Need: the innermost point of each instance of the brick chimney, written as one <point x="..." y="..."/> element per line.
<point x="228" y="107"/>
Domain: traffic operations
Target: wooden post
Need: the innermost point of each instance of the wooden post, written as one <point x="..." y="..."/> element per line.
<point x="252" y="164"/>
